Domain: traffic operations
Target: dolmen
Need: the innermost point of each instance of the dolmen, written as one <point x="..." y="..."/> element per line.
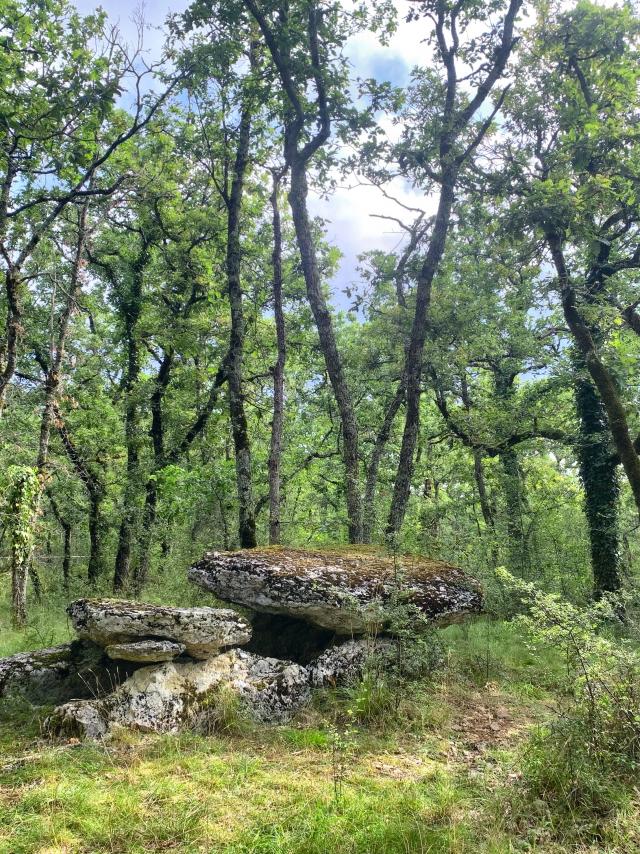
<point x="309" y="619"/>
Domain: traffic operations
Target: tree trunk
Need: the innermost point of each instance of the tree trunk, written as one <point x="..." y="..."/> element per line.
<point x="151" y="490"/>
<point x="95" y="565"/>
<point x="66" y="534"/>
<point x="146" y="536"/>
<point x="96" y="493"/>
<point x="52" y="370"/>
<point x="369" y="514"/>
<point x="599" y="476"/>
<point x="481" y="486"/>
<point x="131" y="310"/>
<point x="413" y="358"/>
<point x="277" y="424"/>
<point x="242" y="446"/>
<point x="298" y="201"/>
<point x="14" y="331"/>
<point x="602" y="378"/>
<point x="514" y="507"/>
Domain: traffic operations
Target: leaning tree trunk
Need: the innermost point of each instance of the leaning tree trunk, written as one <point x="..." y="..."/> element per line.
<point x="599" y="476"/>
<point x="350" y="442"/>
<point x="415" y="349"/>
<point x="481" y="486"/>
<point x="277" y="424"/>
<point x="600" y="374"/>
<point x="96" y="494"/>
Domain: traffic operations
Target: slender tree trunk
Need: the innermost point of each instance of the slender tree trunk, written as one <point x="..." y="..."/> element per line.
<point x="151" y="490"/>
<point x="23" y="494"/>
<point x="602" y="377"/>
<point x="96" y="493"/>
<point x="350" y="449"/>
<point x="369" y="509"/>
<point x="66" y="534"/>
<point x="95" y="565"/>
<point x="19" y="580"/>
<point x="149" y="514"/>
<point x="239" y="428"/>
<point x="277" y="425"/>
<point x="131" y="309"/>
<point x="481" y="486"/>
<point x="128" y="522"/>
<point x="415" y="349"/>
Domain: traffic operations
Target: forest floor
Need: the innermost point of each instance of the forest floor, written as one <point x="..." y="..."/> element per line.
<point x="438" y="770"/>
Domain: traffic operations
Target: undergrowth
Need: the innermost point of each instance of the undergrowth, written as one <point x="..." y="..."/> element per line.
<point x="443" y="763"/>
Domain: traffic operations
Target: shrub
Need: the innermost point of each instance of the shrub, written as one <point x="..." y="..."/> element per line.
<point x="591" y="751"/>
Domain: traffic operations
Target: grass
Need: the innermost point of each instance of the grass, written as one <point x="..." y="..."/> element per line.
<point x="435" y="771"/>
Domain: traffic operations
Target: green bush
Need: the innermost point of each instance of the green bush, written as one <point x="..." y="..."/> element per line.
<point x="590" y="753"/>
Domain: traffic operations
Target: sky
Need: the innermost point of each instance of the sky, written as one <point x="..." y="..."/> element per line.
<point x="347" y="212"/>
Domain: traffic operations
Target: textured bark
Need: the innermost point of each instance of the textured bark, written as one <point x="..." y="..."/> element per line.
<point x="163" y="377"/>
<point x="413" y="359"/>
<point x="599" y="476"/>
<point x="66" y="535"/>
<point x="350" y="440"/>
<point x="369" y="514"/>
<point x="481" y="486"/>
<point x="239" y="428"/>
<point x="277" y="424"/>
<point x="130" y="310"/>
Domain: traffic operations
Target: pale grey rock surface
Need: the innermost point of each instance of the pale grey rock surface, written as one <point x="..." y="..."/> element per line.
<point x="48" y="676"/>
<point x="146" y="651"/>
<point x="345" y="662"/>
<point x="203" y="631"/>
<point x="343" y="591"/>
<point x="167" y="697"/>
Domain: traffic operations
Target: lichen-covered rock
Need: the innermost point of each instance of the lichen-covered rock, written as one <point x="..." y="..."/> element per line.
<point x="166" y="697"/>
<point x="146" y="651"/>
<point x="48" y="676"/>
<point x="78" y="719"/>
<point x="345" y="662"/>
<point x="343" y="591"/>
<point x="203" y="631"/>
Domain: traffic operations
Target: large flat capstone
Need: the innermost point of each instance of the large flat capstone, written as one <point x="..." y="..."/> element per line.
<point x="340" y="590"/>
<point x="202" y="631"/>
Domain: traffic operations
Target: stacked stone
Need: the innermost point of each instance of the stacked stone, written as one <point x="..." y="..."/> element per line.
<point x="151" y="633"/>
<point x="155" y="668"/>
